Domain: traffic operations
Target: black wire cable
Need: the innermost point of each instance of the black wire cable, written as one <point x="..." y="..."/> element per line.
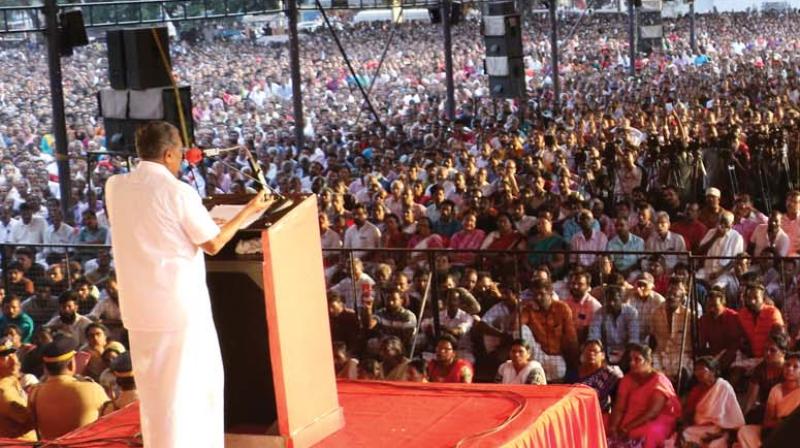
<point x="395" y="25"/>
<point x="349" y="65"/>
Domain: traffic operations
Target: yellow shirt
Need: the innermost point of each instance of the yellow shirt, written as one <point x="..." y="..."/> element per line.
<point x="15" y="419"/>
<point x="64" y="403"/>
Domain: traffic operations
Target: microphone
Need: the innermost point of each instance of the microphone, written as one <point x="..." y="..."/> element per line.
<point x="196" y="155"/>
<point x="282" y="202"/>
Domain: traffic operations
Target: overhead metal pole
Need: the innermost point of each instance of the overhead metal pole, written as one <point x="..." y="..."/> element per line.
<point x="448" y="60"/>
<point x="57" y="103"/>
<point x="554" y="52"/>
<point x="692" y="33"/>
<point x="294" y="66"/>
<point x="632" y="37"/>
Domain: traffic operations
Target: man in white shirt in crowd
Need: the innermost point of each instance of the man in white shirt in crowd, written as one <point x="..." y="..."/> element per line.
<point x="362" y="234"/>
<point x="30" y="229"/>
<point x="347" y="290"/>
<point x="790" y="223"/>
<point x="7" y="223"/>
<point x="57" y="232"/>
<point x="721" y="241"/>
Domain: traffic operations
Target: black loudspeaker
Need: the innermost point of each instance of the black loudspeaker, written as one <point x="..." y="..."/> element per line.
<point x="436" y="15"/>
<point x="171" y="110"/>
<point x="73" y="31"/>
<point x="340" y="4"/>
<point x="456" y="13"/>
<point x="116" y="59"/>
<point x="144" y="66"/>
<point x="511" y="86"/>
<point x="121" y="133"/>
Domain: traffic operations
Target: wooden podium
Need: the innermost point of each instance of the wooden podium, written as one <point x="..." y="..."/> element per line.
<point x="272" y="320"/>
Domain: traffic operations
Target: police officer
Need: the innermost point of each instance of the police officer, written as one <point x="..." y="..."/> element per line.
<point x="64" y="402"/>
<point x="122" y="369"/>
<point x="15" y="418"/>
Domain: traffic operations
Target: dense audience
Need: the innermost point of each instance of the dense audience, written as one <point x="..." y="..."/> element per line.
<point x="635" y="234"/>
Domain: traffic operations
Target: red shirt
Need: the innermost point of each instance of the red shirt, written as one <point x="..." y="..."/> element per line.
<point x="719" y="333"/>
<point x="459" y="372"/>
<point x="757" y="328"/>
<point x="692" y="232"/>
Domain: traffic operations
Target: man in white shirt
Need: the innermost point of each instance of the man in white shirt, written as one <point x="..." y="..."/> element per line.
<point x="770" y="235"/>
<point x="721" y="241"/>
<point x="7" y="223"/>
<point x="362" y="234"/>
<point x="348" y="291"/>
<point x="791" y="221"/>
<point x="58" y="232"/>
<point x="30" y="229"/>
<point x="161" y="230"/>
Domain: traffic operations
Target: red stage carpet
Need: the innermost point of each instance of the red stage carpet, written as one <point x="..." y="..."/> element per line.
<point x="380" y="414"/>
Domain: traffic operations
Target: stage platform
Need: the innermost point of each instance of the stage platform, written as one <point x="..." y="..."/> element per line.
<point x="384" y="414"/>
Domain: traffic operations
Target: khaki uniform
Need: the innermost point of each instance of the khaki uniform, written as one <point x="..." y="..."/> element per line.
<point x="15" y="419"/>
<point x="64" y="403"/>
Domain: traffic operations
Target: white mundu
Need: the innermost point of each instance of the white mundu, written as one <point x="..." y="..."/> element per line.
<point x="159" y="224"/>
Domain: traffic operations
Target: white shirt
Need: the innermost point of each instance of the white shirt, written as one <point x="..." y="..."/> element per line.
<point x="345" y="288"/>
<point x="331" y="240"/>
<point x="463" y="322"/>
<point x="31" y="233"/>
<point x="760" y="239"/>
<point x="5" y="230"/>
<point x="367" y="237"/>
<point x="730" y="245"/>
<point x="159" y="224"/>
<point x="64" y="235"/>
<point x="509" y="375"/>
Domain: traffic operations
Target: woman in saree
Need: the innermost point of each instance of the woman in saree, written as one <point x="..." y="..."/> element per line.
<point x="505" y="238"/>
<point x="546" y="240"/>
<point x="596" y="373"/>
<point x="468" y="238"/>
<point x="393" y="237"/>
<point x="783" y="400"/>
<point x="646" y="408"/>
<point x="424" y="238"/>
<point x="711" y="408"/>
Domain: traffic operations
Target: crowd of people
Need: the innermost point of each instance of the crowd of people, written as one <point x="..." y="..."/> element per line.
<point x="635" y="234"/>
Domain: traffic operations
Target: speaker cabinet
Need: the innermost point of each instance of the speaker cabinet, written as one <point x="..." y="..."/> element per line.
<point x="144" y="67"/>
<point x="116" y="59"/>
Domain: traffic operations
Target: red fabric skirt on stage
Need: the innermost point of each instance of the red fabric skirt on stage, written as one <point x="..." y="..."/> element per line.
<point x="383" y="414"/>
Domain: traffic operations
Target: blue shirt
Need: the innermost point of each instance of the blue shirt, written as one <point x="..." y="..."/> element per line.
<point x="615" y="333"/>
<point x="634" y="244"/>
<point x="571" y="227"/>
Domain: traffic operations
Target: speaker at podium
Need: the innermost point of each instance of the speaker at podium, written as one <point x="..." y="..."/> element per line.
<point x="271" y="315"/>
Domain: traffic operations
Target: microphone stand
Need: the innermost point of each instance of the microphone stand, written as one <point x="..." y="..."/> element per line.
<point x="283" y="202"/>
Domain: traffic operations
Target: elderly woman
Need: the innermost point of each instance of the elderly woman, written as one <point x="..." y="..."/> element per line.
<point x="594" y="372"/>
<point x="646" y="408"/>
<point x="711" y="408"/>
<point x="468" y="238"/>
<point x="784" y="399"/>
<point x="520" y="368"/>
